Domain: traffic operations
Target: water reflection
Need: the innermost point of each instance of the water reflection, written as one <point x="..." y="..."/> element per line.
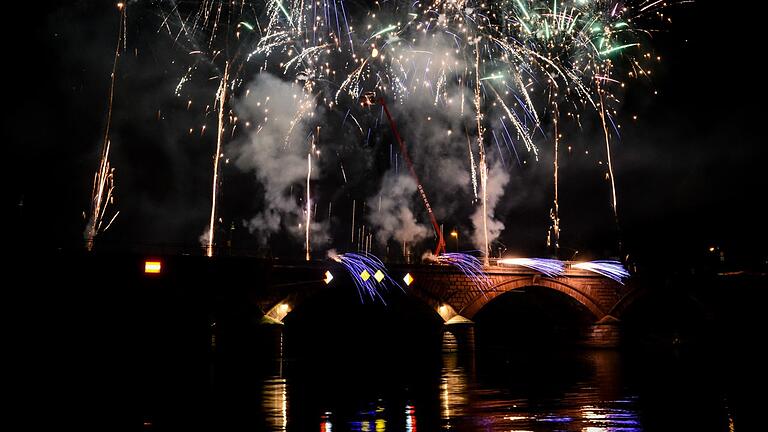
<point x="468" y="390"/>
<point x="325" y="423"/>
<point x="275" y="394"/>
<point x="410" y="419"/>
<point x="371" y="420"/>
<point x="454" y="378"/>
<point x="275" y="403"/>
<point x="610" y="418"/>
<point x="374" y="419"/>
<point x="521" y="395"/>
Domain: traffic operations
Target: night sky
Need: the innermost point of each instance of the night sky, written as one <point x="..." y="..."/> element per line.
<point x="690" y="170"/>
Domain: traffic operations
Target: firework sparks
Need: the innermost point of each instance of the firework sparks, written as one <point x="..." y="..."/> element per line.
<point x="367" y="272"/>
<point x="104" y="179"/>
<point x="610" y="269"/>
<point x="554" y="213"/>
<point x="221" y="98"/>
<point x="514" y="59"/>
<point x="308" y="211"/>
<point x="545" y="266"/>
<point x="468" y="264"/>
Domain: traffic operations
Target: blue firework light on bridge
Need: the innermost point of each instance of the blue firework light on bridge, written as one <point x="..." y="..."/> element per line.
<point x="469" y="264"/>
<point x="608" y="268"/>
<point x="368" y="274"/>
<point x="546" y="266"/>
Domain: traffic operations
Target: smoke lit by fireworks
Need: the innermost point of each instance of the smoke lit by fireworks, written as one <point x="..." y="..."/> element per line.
<point x="545" y="266"/>
<point x="367" y="272"/>
<point x="611" y="269"/>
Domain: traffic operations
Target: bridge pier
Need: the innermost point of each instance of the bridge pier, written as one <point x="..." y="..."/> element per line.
<point x="604" y="333"/>
<point x="459" y="337"/>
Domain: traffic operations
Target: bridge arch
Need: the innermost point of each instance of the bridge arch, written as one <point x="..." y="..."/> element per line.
<point x="471" y="309"/>
<point x="277" y="309"/>
<point x="628" y="300"/>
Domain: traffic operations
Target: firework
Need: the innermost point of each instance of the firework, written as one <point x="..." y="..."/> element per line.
<point x="101" y="197"/>
<point x="523" y="62"/>
<point x="102" y="194"/>
<point x="221" y="98"/>
<point x="367" y="272"/>
<point x="467" y="263"/>
<point x="610" y="269"/>
<point x="308" y="215"/>
<point x="545" y="266"/>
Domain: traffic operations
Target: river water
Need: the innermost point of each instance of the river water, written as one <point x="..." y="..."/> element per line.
<point x="454" y="385"/>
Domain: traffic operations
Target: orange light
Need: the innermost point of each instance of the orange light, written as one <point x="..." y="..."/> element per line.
<point x="152" y="267"/>
<point x="408" y="279"/>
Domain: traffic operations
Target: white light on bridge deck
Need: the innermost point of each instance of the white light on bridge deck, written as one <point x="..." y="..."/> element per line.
<point x="365" y="275"/>
<point x="328" y="277"/>
<point x="378" y="276"/>
<point x="152" y="267"/>
<point x="408" y="279"/>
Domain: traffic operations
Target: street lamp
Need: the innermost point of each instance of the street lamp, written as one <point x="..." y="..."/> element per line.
<point x="455" y="234"/>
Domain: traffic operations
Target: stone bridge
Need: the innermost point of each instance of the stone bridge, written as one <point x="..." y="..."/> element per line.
<point x="455" y="297"/>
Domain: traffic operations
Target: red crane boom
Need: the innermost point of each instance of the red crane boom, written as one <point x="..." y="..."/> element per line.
<point x="440" y="241"/>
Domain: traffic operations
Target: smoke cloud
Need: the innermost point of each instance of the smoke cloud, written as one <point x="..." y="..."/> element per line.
<point x="391" y="217"/>
<point x="497" y="180"/>
<point x="276" y="151"/>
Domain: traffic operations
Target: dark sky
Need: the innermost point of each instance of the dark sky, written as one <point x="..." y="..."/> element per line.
<point x="690" y="171"/>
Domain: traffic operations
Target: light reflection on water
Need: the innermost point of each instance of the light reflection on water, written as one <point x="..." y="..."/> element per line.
<point x="275" y="403"/>
<point x="372" y="420"/>
<point x="587" y="406"/>
<point x="275" y="395"/>
<point x="466" y="395"/>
